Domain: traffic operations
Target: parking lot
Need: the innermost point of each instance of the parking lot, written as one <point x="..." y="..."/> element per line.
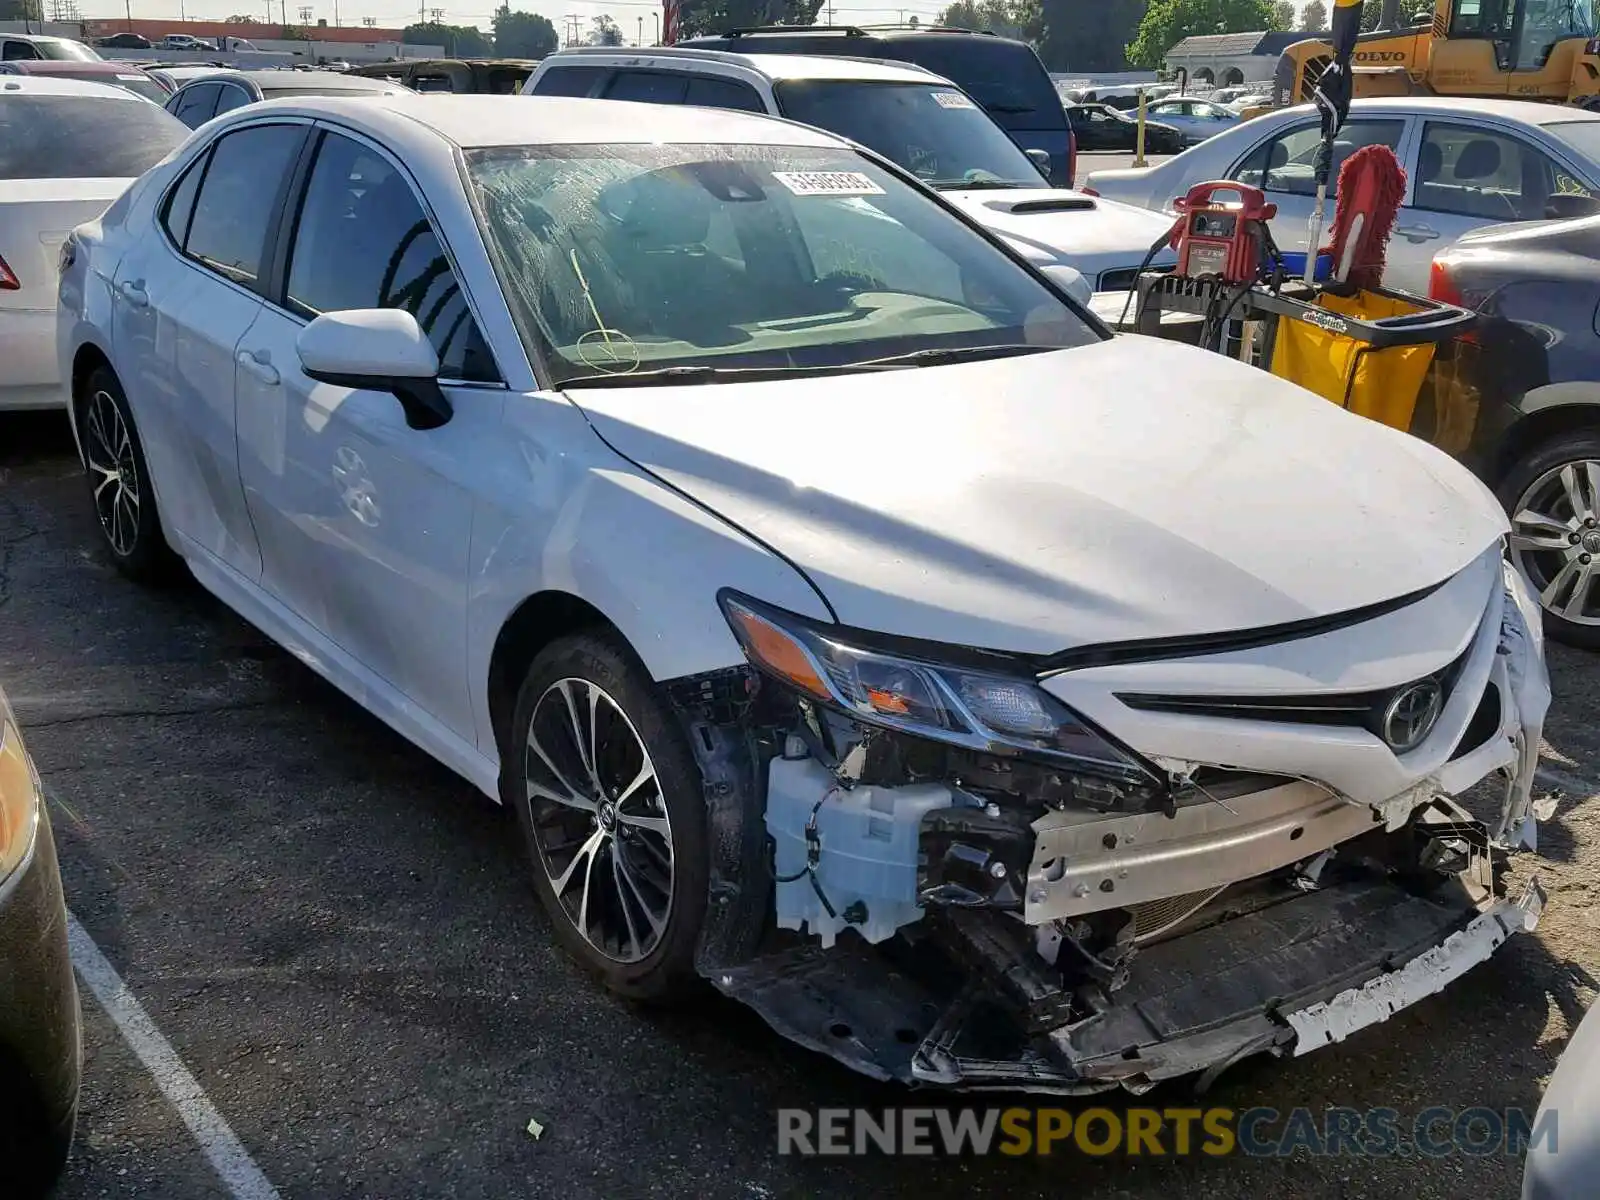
<point x="338" y="939"/>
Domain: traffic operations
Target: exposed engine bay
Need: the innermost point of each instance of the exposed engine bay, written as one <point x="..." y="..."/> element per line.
<point x="944" y="915"/>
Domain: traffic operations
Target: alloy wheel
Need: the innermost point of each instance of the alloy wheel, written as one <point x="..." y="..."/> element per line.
<point x="1555" y="539"/>
<point x="599" y="820"/>
<point x="114" y="472"/>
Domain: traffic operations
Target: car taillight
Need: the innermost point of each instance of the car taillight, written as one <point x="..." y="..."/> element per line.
<point x="1443" y="288"/>
<point x="1088" y="191"/>
<point x="1072" y="157"/>
<point x="8" y="278"/>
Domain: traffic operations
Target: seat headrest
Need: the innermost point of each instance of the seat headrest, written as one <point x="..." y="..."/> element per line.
<point x="1431" y="163"/>
<point x="1479" y="160"/>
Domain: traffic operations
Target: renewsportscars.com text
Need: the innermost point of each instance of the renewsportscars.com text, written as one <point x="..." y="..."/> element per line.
<point x="1436" y="1132"/>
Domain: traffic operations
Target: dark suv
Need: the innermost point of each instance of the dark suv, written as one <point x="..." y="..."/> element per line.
<point x="1004" y="76"/>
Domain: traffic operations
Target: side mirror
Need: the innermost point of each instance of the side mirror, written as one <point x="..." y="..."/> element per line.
<point x="1070" y="280"/>
<point x="379" y="349"/>
<point x="1040" y="159"/>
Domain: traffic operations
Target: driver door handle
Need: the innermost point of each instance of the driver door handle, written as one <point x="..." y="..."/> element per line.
<point x="1418" y="233"/>
<point x="264" y="371"/>
<point x="133" y="292"/>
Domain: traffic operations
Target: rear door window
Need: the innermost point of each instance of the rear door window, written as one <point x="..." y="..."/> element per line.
<point x="229" y="97"/>
<point x="238" y="199"/>
<point x="196" y="105"/>
<point x="82" y="137"/>
<point x="1005" y="77"/>
<point x="710" y="91"/>
<point x="19" y="50"/>
<point x="1475" y="172"/>
<point x="570" y="81"/>
<point x="649" y="87"/>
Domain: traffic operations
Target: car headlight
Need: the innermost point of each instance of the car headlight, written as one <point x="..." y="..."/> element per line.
<point x="981" y="710"/>
<point x="19" y="798"/>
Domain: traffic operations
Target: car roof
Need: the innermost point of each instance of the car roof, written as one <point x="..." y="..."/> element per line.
<point x="1528" y="112"/>
<point x="70" y="66"/>
<point x="332" y="80"/>
<point x="473" y="121"/>
<point x="773" y="66"/>
<point x="49" y="85"/>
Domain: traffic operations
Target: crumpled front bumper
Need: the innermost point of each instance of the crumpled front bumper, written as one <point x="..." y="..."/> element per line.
<point x="1280" y="916"/>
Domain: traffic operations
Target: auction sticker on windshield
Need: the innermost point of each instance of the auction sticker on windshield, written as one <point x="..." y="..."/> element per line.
<point x="828" y="183"/>
<point x="951" y="100"/>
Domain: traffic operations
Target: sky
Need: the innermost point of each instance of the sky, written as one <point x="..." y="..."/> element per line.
<point x="396" y="13"/>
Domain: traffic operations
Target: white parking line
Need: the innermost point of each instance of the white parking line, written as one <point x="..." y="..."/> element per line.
<point x="237" y="1170"/>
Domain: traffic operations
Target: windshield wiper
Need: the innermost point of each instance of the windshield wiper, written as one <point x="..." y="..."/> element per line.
<point x="673" y="376"/>
<point x="980" y="185"/>
<point x="951" y="354"/>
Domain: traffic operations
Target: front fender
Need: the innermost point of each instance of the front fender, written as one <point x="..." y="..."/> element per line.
<point x="585" y="521"/>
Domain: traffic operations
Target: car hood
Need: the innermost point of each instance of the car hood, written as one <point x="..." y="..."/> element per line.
<point x="1128" y="489"/>
<point x="1049" y="225"/>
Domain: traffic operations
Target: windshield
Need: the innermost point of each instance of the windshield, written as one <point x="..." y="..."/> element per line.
<point x="83" y="137"/>
<point x="619" y="260"/>
<point x="65" y="49"/>
<point x="935" y="132"/>
<point x="1583" y="135"/>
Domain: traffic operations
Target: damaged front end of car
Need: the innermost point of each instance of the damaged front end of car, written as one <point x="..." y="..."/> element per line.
<point x="958" y="870"/>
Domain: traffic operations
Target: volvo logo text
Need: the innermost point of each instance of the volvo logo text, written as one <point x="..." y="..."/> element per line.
<point x="1411" y="715"/>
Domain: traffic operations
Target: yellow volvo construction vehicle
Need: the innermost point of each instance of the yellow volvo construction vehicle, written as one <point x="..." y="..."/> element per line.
<point x="1521" y="49"/>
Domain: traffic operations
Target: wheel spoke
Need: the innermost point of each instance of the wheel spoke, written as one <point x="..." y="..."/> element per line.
<point x="646" y="774"/>
<point x="1573" y="485"/>
<point x="1556" y="586"/>
<point x="537" y="791"/>
<point x="585" y="853"/>
<point x="588" y="883"/>
<point x="654" y="824"/>
<point x="622" y="901"/>
<point x="1532" y="530"/>
<point x="573" y="798"/>
<point x="1578" y="602"/>
<point x="658" y="921"/>
<point x="585" y="752"/>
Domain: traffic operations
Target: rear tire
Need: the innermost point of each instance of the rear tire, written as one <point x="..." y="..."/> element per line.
<point x="120" y="492"/>
<point x="611" y="808"/>
<point x="1552" y="494"/>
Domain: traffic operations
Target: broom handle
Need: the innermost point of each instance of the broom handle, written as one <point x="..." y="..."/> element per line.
<point x="1318" y="217"/>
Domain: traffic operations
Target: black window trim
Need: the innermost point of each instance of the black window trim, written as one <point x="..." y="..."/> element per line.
<point x="252" y="94"/>
<point x="274" y="216"/>
<point x="282" y="233"/>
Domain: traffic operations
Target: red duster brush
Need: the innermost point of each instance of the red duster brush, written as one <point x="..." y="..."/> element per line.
<point x="1372" y="185"/>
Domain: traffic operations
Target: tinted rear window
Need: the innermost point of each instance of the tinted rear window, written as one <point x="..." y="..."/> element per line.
<point x="83" y="137"/>
<point x="1007" y="78"/>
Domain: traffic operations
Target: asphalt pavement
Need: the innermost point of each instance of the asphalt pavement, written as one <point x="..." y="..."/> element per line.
<point x="339" y="939"/>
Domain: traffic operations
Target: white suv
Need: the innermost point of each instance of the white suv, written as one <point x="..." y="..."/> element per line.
<point x="920" y="121"/>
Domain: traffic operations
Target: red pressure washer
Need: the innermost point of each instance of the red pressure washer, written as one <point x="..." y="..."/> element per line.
<point x="1218" y="240"/>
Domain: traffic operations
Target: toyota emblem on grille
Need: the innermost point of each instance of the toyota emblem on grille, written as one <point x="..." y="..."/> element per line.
<point x="1411" y="715"/>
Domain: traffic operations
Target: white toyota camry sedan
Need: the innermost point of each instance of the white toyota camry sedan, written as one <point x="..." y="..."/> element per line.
<point x="985" y="699"/>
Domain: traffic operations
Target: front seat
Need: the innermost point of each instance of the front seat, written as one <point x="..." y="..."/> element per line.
<point x="1480" y="160"/>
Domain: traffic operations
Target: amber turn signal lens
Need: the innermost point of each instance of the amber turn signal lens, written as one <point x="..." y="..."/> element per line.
<point x="774" y="650"/>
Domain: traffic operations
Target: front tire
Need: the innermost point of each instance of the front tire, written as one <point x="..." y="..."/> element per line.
<point x="1552" y="495"/>
<point x="119" y="481"/>
<point x="609" y="801"/>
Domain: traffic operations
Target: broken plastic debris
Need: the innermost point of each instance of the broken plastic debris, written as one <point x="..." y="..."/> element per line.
<point x="534" y="1128"/>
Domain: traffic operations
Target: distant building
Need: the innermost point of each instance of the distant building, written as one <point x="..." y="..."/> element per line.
<point x="1227" y="59"/>
<point x="254" y="31"/>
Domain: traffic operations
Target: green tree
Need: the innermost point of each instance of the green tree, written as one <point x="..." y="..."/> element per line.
<point x="716" y="16"/>
<point x="21" y="10"/>
<point x="1370" y="15"/>
<point x="459" y="41"/>
<point x="1283" y="16"/>
<point x="1168" y="22"/>
<point x="523" y="35"/>
<point x="1009" y="18"/>
<point x="1314" y="17"/>
<point x="1089" y="35"/>
<point x="604" y="31"/>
